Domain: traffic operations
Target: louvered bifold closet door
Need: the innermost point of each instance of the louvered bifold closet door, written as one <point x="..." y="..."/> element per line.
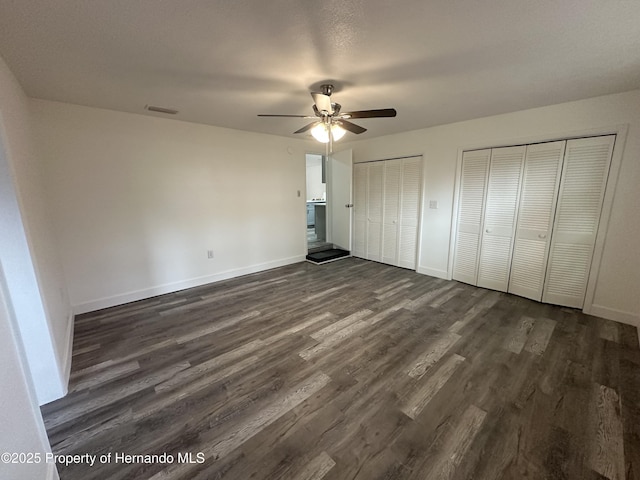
<point x="359" y="209"/>
<point x="409" y="212"/>
<point x="582" y="186"/>
<point x="391" y="205"/>
<point x="475" y="167"/>
<point x="542" y="167"/>
<point x="503" y="191"/>
<point x="375" y="197"/>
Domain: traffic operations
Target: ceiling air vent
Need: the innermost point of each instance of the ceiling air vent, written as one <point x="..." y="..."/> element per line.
<point x="169" y="111"/>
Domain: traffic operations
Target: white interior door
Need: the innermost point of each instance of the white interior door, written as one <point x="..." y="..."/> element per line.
<point x="391" y="205"/>
<point x="340" y="200"/>
<point x="409" y="212"/>
<point x="375" y="197"/>
<point x="582" y="186"/>
<point x="503" y="192"/>
<point x="475" y="168"/>
<point x="542" y="166"/>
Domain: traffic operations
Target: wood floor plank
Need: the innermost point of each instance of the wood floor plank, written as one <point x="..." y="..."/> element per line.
<point x="608" y="330"/>
<point x="430" y="296"/>
<point x="607" y="451"/>
<point x="433" y="354"/>
<point x="540" y="335"/>
<point x="457" y="443"/>
<point x="418" y="400"/>
<point x="516" y="342"/>
<point x="630" y="400"/>
<point x="390" y="286"/>
<point x="317" y="468"/>
<point x="394" y="291"/>
<point x="340" y="324"/>
<point x="88" y="380"/>
<point x="323" y="293"/>
<point x="442" y="299"/>
<point x="217" y="326"/>
<point x="475" y="311"/>
<point x="213" y="364"/>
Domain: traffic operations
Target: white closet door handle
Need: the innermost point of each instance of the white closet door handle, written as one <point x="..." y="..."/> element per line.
<point x="542" y="235"/>
<point x="394" y="221"/>
<point x="488" y="230"/>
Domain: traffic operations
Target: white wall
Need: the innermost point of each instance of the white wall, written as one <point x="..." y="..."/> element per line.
<point x="616" y="294"/>
<point x="139" y="200"/>
<point x="22" y="426"/>
<point x="28" y="251"/>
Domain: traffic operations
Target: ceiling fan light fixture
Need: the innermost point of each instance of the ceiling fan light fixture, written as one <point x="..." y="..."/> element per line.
<point x="321" y="132"/>
<point x="337" y="132"/>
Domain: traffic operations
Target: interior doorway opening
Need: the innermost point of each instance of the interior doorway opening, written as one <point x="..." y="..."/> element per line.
<point x="329" y="206"/>
<point x="317" y="238"/>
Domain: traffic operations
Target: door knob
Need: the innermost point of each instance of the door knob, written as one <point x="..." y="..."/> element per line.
<point x="542" y="235"/>
<point x="488" y="230"/>
<point x="349" y="205"/>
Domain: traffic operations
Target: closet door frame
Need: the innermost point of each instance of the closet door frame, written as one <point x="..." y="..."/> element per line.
<point x="621" y="132"/>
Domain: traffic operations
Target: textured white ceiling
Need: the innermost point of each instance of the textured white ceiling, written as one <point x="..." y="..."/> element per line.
<point x="221" y="62"/>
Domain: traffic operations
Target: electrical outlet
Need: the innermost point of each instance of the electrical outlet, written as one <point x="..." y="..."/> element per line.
<point x="209" y="253"/>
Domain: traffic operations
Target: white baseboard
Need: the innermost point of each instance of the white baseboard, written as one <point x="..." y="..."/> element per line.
<point x="65" y="372"/>
<point x="432" y="272"/>
<point x="616" y="315"/>
<point x="141" y="294"/>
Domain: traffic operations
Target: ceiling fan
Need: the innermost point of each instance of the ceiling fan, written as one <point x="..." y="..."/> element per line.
<point x="331" y="124"/>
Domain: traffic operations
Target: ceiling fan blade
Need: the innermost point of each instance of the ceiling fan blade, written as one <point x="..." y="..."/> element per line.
<point x="352" y="127"/>
<point x="306" y="127"/>
<point x="323" y="102"/>
<point x="379" y="113"/>
<point x="292" y="116"/>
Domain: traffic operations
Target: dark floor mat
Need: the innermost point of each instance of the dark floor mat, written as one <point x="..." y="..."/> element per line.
<point x="327" y="255"/>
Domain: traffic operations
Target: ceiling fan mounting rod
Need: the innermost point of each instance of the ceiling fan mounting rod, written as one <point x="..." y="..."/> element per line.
<point x="327" y="89"/>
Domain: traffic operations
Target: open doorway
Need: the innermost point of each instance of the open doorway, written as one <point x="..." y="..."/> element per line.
<point x="329" y="206"/>
<point x="317" y="239"/>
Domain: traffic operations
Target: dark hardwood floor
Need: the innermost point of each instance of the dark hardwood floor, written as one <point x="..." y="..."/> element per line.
<point x="349" y="370"/>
